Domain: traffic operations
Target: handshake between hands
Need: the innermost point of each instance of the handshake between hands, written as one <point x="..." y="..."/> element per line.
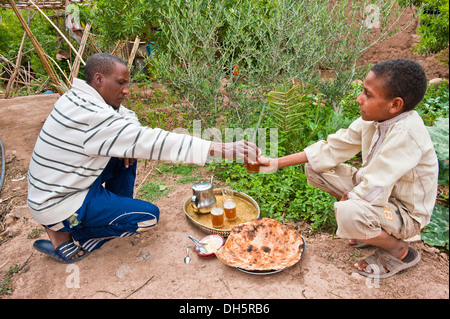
<point x="241" y="149"/>
<point x="248" y="151"/>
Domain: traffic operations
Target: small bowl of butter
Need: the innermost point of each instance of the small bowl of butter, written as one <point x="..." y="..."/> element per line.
<point x="212" y="243"/>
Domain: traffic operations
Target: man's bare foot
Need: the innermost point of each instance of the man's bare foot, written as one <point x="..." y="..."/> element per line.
<point x="395" y="247"/>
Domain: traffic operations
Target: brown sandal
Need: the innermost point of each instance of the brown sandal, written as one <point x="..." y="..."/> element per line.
<point x="383" y="265"/>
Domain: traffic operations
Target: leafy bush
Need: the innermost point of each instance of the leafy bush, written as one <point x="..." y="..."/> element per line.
<point x="122" y="20"/>
<point x="435" y="103"/>
<point x="270" y="42"/>
<point x="434" y="26"/>
<point x="298" y="114"/>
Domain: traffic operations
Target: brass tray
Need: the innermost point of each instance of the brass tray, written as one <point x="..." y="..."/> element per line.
<point x="247" y="209"/>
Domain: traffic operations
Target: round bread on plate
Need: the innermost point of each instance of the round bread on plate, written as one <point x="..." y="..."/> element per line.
<point x="262" y="245"/>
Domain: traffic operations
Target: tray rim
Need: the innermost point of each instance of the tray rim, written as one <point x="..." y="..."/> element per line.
<point x="217" y="231"/>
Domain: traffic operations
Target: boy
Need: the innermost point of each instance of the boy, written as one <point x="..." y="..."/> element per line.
<point x="391" y="197"/>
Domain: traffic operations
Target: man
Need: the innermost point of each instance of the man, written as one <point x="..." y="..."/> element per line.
<point x="82" y="170"/>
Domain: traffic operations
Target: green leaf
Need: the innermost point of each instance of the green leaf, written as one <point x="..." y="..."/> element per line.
<point x="439" y="135"/>
<point x="436" y="233"/>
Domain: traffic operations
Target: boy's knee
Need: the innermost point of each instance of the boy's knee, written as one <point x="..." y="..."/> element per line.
<point x="354" y="221"/>
<point x="312" y="177"/>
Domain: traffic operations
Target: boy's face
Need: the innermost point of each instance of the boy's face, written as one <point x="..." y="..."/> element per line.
<point x="374" y="101"/>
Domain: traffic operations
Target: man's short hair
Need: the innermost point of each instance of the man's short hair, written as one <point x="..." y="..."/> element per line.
<point x="100" y="63"/>
<point x="404" y="78"/>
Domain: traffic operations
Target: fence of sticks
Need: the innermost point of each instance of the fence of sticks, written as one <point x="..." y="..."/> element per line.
<point x="15" y="73"/>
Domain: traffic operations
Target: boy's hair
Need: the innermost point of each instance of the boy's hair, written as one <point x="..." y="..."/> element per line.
<point x="404" y="78"/>
<point x="100" y="63"/>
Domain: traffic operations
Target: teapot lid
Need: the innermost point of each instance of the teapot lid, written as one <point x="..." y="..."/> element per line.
<point x="201" y="186"/>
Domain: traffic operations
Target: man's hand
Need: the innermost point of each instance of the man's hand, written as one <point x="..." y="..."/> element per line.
<point x="241" y="149"/>
<point x="127" y="161"/>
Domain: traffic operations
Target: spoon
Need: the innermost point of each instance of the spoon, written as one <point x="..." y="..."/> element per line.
<point x="200" y="247"/>
<point x="187" y="259"/>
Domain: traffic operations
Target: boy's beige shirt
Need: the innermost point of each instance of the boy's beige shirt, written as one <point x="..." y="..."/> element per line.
<point x="399" y="161"/>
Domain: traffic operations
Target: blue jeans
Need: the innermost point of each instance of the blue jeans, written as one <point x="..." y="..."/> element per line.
<point x="109" y="210"/>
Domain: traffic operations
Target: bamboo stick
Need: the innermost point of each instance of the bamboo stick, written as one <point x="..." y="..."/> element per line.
<point x="19" y="59"/>
<point x="16" y="69"/>
<point x="76" y="63"/>
<point x="116" y="47"/>
<point x="133" y="52"/>
<point x="59" y="31"/>
<point x="40" y="52"/>
<point x="94" y="44"/>
<point x="20" y="82"/>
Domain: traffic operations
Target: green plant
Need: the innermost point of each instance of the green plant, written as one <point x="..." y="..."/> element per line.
<point x="435" y="103"/>
<point x="123" y="20"/>
<point x="271" y="42"/>
<point x="297" y="113"/>
<point x="433" y="27"/>
<point x="5" y="286"/>
<point x="286" y="107"/>
<point x="439" y="135"/>
<point x="177" y="168"/>
<point x="35" y="233"/>
<point x="283" y="195"/>
<point x="436" y="233"/>
<point x="152" y="191"/>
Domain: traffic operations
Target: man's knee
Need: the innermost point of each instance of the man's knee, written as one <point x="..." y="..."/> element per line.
<point x="148" y="219"/>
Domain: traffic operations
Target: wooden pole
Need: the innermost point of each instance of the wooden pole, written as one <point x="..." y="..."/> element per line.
<point x="19" y="58"/>
<point x="59" y="31"/>
<point x="116" y="47"/>
<point x="40" y="52"/>
<point x="16" y="69"/>
<point x="133" y="52"/>
<point x="76" y="63"/>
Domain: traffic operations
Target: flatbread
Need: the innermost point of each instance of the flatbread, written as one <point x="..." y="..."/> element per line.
<point x="261" y="245"/>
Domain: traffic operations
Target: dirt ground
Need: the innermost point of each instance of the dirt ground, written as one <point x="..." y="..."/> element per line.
<point x="151" y="265"/>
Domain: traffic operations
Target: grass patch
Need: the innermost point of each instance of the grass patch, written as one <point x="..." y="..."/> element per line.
<point x="152" y="191"/>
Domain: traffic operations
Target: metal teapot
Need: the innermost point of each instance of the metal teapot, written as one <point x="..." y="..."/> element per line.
<point x="203" y="199"/>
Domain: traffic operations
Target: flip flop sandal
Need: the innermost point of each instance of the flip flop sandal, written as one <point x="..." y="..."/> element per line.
<point x="383" y="265"/>
<point x="62" y="253"/>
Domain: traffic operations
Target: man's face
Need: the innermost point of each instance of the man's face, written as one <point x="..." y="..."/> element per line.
<point x="114" y="87"/>
<point x="374" y="103"/>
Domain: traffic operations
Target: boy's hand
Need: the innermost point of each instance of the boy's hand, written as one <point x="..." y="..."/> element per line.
<point x="267" y="164"/>
<point x="344" y="196"/>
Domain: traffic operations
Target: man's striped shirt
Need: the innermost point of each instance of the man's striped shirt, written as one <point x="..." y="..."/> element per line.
<point x="76" y="142"/>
